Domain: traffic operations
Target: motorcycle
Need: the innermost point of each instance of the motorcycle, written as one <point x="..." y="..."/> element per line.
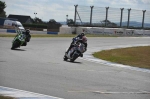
<point x="75" y="52"/>
<point x="21" y="39"/>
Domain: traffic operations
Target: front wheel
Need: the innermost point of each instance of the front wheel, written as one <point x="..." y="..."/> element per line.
<point x="65" y="58"/>
<point x="75" y="56"/>
<point x="15" y="45"/>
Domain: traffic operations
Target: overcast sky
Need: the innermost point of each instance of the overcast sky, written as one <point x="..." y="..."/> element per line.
<point x="58" y="9"/>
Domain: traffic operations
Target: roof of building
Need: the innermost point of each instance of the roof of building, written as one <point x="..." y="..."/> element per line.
<point x="21" y="18"/>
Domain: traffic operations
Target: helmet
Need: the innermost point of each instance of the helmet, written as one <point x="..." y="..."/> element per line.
<point x="27" y="31"/>
<point x="82" y="34"/>
<point x="84" y="39"/>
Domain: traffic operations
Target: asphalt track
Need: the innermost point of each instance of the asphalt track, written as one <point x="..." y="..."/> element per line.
<point x="39" y="68"/>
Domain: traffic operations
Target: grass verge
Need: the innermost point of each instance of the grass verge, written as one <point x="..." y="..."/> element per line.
<point x="5" y="97"/>
<point x="133" y="56"/>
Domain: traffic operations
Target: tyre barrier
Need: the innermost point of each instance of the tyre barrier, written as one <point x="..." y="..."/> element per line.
<point x="11" y="31"/>
<point x="52" y="32"/>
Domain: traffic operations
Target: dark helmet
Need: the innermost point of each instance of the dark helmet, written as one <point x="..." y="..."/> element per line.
<point x="82" y="34"/>
<point x="27" y="31"/>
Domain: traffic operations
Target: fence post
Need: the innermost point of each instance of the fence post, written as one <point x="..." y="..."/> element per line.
<point x="121" y="16"/>
<point x="75" y="14"/>
<point x="106" y="15"/>
<point x="143" y="18"/>
<point x="128" y="17"/>
<point x="91" y="15"/>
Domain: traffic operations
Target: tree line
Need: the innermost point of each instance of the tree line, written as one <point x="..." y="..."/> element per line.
<point x="2" y="7"/>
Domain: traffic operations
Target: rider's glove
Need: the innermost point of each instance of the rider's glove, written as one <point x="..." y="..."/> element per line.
<point x="74" y="39"/>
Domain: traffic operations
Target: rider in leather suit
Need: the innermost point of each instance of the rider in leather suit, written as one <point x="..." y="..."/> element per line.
<point x="79" y="38"/>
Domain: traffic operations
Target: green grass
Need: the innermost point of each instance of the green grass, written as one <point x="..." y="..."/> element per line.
<point x="5" y="97"/>
<point x="133" y="56"/>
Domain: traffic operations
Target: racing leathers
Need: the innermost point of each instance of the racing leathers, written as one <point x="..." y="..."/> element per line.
<point x="79" y="38"/>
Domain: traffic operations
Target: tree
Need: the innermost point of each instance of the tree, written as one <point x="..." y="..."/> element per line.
<point x="37" y="20"/>
<point x="52" y="24"/>
<point x="70" y="22"/>
<point x="114" y="24"/>
<point x="52" y="21"/>
<point x="105" y="21"/>
<point x="3" y="14"/>
<point x="2" y="7"/>
<point x="108" y="23"/>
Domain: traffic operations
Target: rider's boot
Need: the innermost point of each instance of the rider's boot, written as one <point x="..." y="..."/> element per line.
<point x="81" y="55"/>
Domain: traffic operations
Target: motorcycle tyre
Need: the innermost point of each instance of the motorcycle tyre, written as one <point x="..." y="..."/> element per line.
<point x="65" y="58"/>
<point x="15" y="45"/>
<point x="74" y="58"/>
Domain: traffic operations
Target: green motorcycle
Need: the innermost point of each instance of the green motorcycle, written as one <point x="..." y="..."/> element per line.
<point x="21" y="39"/>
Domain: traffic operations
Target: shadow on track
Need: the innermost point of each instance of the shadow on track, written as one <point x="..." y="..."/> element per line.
<point x="74" y="62"/>
<point x="18" y="49"/>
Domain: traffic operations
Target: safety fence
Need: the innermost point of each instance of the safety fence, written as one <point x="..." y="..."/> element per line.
<point x="111" y="17"/>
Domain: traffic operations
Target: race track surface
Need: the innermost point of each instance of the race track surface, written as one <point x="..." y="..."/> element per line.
<point x="39" y="67"/>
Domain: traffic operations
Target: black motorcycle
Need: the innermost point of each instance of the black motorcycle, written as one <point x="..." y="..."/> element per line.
<point x="75" y="52"/>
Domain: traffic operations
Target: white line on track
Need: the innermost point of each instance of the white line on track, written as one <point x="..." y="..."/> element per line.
<point x="6" y="91"/>
<point x="101" y="92"/>
<point x="89" y="57"/>
<point x="110" y="92"/>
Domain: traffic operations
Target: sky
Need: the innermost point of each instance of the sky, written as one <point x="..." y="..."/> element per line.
<point x="58" y="9"/>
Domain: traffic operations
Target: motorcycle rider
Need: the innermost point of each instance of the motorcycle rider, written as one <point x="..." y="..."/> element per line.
<point x="79" y="38"/>
<point x="28" y="36"/>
